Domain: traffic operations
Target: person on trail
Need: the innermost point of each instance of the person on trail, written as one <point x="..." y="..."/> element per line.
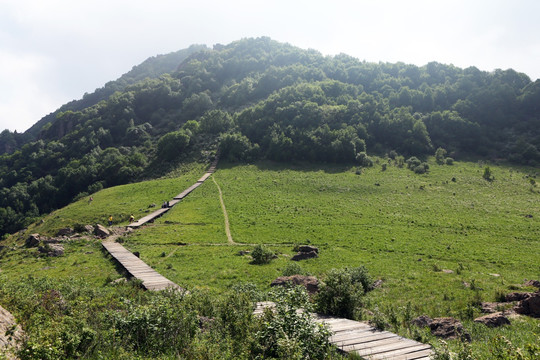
<point x="110" y="220"/>
<point x="131" y="219"/>
<point x="90" y="199"/>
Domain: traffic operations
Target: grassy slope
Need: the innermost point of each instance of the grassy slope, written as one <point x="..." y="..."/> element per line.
<point x="404" y="230"/>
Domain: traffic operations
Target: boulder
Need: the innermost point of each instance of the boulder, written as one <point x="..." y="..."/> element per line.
<point x="89" y="229"/>
<point x="517" y="296"/>
<point x="304" y="255"/>
<point x="101" y="231"/>
<point x="33" y="240"/>
<point x="11" y="334"/>
<point x="311" y="283"/>
<point x="422" y="321"/>
<point x="530" y="306"/>
<point x="377" y="284"/>
<point x="307" y="249"/>
<point x="490" y="307"/>
<point x="493" y="320"/>
<point x="65" y="232"/>
<point x="534" y="283"/>
<point x="52" y="249"/>
<point x="448" y="328"/>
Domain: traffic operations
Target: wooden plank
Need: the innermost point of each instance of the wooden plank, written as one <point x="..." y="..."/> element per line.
<point x="413" y="352"/>
<point x="364" y="339"/>
<point x="382" y="346"/>
<point x="357" y="332"/>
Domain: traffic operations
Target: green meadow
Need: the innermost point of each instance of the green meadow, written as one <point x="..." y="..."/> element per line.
<point x="441" y="242"/>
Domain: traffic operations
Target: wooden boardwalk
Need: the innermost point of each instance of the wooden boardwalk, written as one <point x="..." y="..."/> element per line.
<point x="151" y="279"/>
<point x="154" y="215"/>
<point x="361" y="338"/>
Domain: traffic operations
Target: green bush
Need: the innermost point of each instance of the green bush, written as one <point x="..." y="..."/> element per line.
<point x="342" y="290"/>
<point x="286" y="333"/>
<point x="292" y="269"/>
<point x="262" y="255"/>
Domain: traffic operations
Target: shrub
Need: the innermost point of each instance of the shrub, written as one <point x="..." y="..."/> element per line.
<point x="413" y="162"/>
<point x="488" y="175"/>
<point x="286" y="333"/>
<point x="449" y="161"/>
<point x="341" y="292"/>
<point x="262" y="255"/>
<point x="364" y="160"/>
<point x="422" y="168"/>
<point x="293" y="269"/>
<point x="440" y="156"/>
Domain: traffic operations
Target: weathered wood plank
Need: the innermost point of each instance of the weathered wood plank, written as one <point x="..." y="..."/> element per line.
<point x="413" y="352"/>
<point x="364" y="339"/>
<point x="382" y="346"/>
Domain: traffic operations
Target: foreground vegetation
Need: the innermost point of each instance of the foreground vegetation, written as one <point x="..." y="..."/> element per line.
<point x="407" y="229"/>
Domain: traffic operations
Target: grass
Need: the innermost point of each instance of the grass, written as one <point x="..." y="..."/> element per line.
<point x="404" y="227"/>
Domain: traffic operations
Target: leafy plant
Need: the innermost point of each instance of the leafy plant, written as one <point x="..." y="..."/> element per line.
<point x="262" y="255"/>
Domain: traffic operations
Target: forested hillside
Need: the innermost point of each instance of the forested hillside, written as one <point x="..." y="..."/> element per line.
<point x="257" y="98"/>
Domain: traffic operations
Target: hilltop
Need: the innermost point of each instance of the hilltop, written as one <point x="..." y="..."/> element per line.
<point x="261" y="99"/>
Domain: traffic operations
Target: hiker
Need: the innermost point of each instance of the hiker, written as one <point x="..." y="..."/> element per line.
<point x="168" y="204"/>
<point x="90" y="199"/>
<point x="131" y="219"/>
<point x="110" y="220"/>
<point x="164" y="205"/>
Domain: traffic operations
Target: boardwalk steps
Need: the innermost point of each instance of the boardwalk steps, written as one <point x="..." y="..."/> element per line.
<point x="366" y="341"/>
<point x="151" y="279"/>
<point x="154" y="215"/>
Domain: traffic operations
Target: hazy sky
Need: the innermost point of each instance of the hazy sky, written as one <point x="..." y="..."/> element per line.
<point x="54" y="51"/>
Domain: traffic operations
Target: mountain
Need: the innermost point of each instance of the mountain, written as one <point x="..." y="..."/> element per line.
<point x="258" y="98"/>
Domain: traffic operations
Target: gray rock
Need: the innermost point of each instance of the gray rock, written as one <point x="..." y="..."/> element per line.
<point x="307" y="249"/>
<point x="101" y="231"/>
<point x="89" y="228"/>
<point x="52" y="249"/>
<point x="422" y="321"/>
<point x="65" y="232"/>
<point x="493" y="320"/>
<point x="517" y="296"/>
<point x="530" y="306"/>
<point x="11" y="334"/>
<point x="33" y="240"/>
<point x="304" y="255"/>
<point x="448" y="328"/>
<point x="534" y="283"/>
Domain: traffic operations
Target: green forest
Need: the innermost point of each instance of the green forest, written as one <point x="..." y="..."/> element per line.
<point x="259" y="99"/>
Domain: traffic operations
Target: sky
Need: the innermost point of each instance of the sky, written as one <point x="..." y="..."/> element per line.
<point x="54" y="51"/>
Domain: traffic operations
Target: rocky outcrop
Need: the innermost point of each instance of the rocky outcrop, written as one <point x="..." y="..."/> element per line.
<point x="33" y="240"/>
<point x="101" y="231"/>
<point x="65" y="232"/>
<point x="306" y="252"/>
<point x="11" y="334"/>
<point x="493" y="320"/>
<point x="311" y="283"/>
<point x="517" y="296"/>
<point x="530" y="306"/>
<point x="446" y="327"/>
<point x="534" y="283"/>
<point x="52" y="249"/>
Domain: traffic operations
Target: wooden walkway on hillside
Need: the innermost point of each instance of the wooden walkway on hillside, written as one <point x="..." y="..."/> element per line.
<point x="151" y="279"/>
<point x="154" y="215"/>
<point x="366" y="341"/>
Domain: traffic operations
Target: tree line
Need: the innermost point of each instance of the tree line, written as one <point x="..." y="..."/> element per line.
<point x="259" y="98"/>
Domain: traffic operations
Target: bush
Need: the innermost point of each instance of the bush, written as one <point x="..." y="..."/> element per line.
<point x="341" y="292"/>
<point x="292" y="269"/>
<point x="364" y="160"/>
<point x="262" y="255"/>
<point x="488" y="175"/>
<point x="413" y="162"/>
<point x="422" y="168"/>
<point x="449" y="161"/>
<point x="172" y="144"/>
<point x="286" y="333"/>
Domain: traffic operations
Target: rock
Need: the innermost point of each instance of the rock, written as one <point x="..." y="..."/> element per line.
<point x="11" y="334"/>
<point x="530" y="306"/>
<point x="243" y="252"/>
<point x="88" y="228"/>
<point x="422" y="321"/>
<point x="517" y="296"/>
<point x="65" y="232"/>
<point x="490" y="307"/>
<point x="534" y="283"/>
<point x="52" y="249"/>
<point x="33" y="240"/>
<point x="495" y="275"/>
<point x="447" y="271"/>
<point x="101" y="231"/>
<point x="377" y="284"/>
<point x="304" y="255"/>
<point x="311" y="283"/>
<point x="307" y="249"/>
<point x="493" y="320"/>
<point x="465" y="284"/>
<point x="448" y="328"/>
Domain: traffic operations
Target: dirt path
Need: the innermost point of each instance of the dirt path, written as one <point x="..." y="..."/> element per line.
<point x="227" y="228"/>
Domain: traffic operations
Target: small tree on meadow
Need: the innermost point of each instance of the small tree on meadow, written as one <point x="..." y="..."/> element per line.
<point x="488" y="175"/>
<point x="440" y="155"/>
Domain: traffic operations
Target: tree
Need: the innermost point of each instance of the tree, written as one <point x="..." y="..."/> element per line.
<point x="172" y="144"/>
<point x="440" y="155"/>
